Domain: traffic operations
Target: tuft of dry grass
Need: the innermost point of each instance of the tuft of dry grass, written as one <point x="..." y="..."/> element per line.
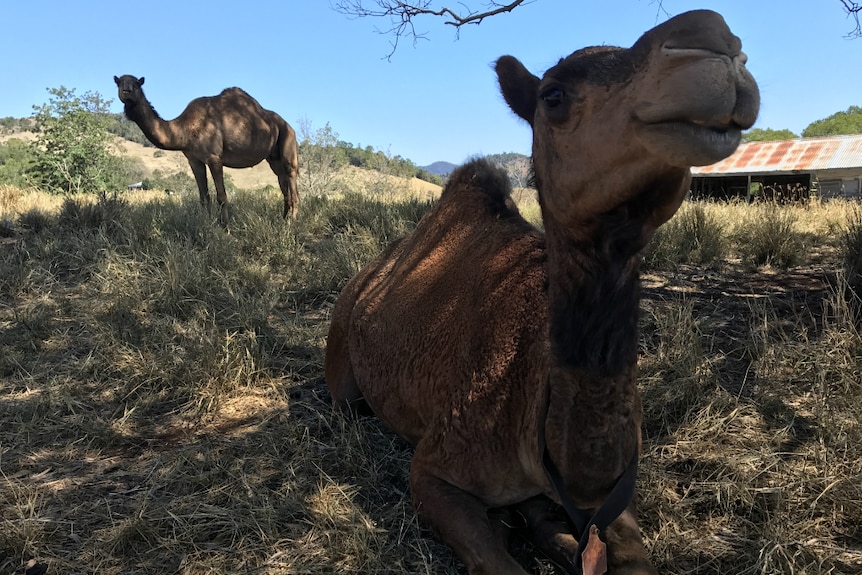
<point x="694" y="236"/>
<point x="162" y="407"/>
<point x="852" y="248"/>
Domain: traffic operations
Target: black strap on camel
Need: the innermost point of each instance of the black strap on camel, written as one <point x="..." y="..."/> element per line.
<point x="616" y="502"/>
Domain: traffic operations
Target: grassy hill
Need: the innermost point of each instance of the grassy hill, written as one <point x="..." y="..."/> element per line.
<point x="168" y="162"/>
<point x="150" y="160"/>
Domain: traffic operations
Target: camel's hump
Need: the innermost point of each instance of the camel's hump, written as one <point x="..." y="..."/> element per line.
<point x="480" y="175"/>
<point x="235" y="91"/>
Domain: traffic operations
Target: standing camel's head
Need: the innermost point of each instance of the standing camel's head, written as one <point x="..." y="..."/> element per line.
<point x="634" y="120"/>
<point x="129" y="89"/>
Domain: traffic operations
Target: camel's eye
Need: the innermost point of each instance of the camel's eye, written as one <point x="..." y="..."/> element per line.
<point x="553" y="97"/>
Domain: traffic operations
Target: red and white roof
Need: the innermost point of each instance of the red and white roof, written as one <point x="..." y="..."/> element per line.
<point x="788" y="156"/>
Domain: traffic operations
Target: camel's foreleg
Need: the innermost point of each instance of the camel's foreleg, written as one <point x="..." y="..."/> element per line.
<point x="287" y="174"/>
<point x="199" y="169"/>
<point x="626" y="552"/>
<point x="217" y="170"/>
<point x="550" y="531"/>
<point x="462" y="521"/>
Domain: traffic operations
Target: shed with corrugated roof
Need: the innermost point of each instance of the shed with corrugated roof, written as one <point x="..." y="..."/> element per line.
<point x="829" y="167"/>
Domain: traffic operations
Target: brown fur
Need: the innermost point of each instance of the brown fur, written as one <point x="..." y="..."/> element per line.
<point x="229" y="130"/>
<point x="455" y="335"/>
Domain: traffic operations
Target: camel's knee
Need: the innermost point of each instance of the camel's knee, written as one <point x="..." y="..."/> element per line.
<point x="549" y="530"/>
<point x="341" y="382"/>
<point x="347" y="398"/>
<point x="504" y="522"/>
<point x="462" y="521"/>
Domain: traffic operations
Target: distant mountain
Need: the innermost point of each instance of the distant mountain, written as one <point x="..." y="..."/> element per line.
<point x="518" y="166"/>
<point x="440" y="168"/>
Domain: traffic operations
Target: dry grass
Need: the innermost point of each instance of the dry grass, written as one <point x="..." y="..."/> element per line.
<point x="162" y="407"/>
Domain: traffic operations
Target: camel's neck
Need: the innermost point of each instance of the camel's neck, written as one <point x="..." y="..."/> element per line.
<point x="593" y="419"/>
<point x="594" y="294"/>
<point x="162" y="134"/>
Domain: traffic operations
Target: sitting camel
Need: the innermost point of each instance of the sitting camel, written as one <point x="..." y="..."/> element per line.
<point x="506" y="355"/>
<point x="229" y="130"/>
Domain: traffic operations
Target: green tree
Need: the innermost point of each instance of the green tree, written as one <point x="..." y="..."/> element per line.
<point x="320" y="159"/>
<point x="73" y="148"/>
<point x="9" y="125"/>
<point x="767" y="134"/>
<point x="847" y="122"/>
<point x="120" y="126"/>
<point x="16" y="159"/>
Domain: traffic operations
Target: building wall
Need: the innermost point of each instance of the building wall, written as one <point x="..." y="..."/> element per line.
<point x="846" y="187"/>
<point x="824" y="184"/>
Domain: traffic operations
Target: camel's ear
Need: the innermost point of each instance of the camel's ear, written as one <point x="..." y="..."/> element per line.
<point x="519" y="87"/>
<point x="141" y="81"/>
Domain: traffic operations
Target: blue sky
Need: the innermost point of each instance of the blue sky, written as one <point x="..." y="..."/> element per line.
<point x="435" y="101"/>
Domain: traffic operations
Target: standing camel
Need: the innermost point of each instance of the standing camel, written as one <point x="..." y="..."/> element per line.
<point x="229" y="130"/>
<point x="506" y="355"/>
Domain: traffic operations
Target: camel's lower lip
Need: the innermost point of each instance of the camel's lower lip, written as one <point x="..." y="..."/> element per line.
<point x="696" y="144"/>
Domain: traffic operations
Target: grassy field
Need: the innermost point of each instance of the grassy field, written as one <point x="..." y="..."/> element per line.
<point x="151" y="160"/>
<point x="162" y="406"/>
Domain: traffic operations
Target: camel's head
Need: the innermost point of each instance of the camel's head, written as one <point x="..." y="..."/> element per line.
<point x="610" y="124"/>
<point x="129" y="88"/>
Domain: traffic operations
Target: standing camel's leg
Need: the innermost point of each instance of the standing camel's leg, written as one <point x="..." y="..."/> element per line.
<point x="285" y="163"/>
<point x="287" y="175"/>
<point x="461" y="520"/>
<point x="217" y="170"/>
<point x="199" y="169"/>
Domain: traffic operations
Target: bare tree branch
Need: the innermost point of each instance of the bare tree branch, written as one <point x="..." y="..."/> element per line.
<point x="853" y="9"/>
<point x="402" y="11"/>
<point x="401" y="14"/>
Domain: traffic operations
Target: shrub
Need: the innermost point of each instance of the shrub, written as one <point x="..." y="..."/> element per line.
<point x="177" y="183"/>
<point x="35" y="220"/>
<point x="769" y="237"/>
<point x="16" y="159"/>
<point x="693" y="236"/>
<point x="107" y="211"/>
<point x="73" y="147"/>
<point x="851" y="240"/>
